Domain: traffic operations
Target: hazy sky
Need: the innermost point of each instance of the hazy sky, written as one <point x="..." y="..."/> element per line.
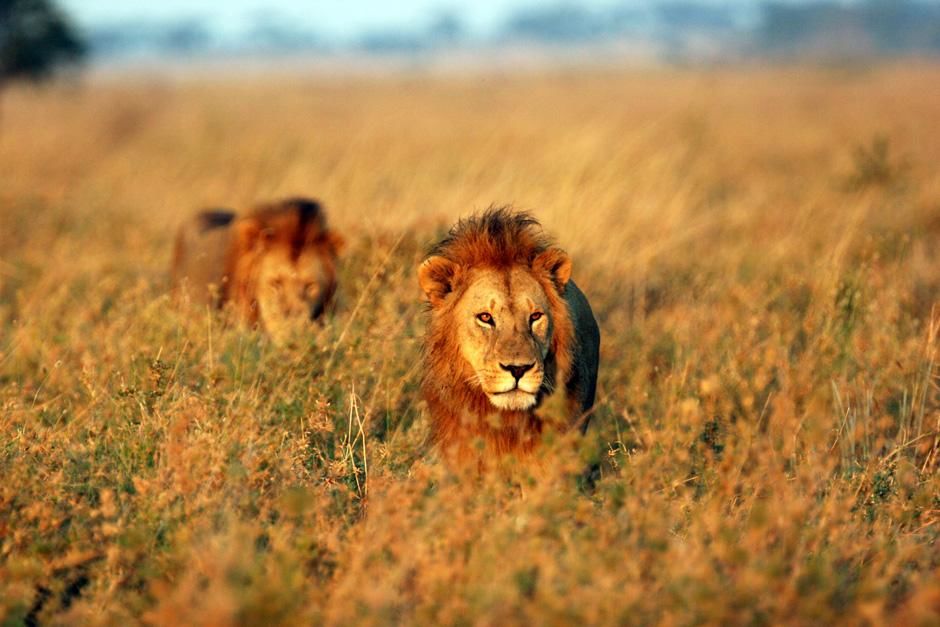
<point x="340" y="18"/>
<point x="331" y="17"/>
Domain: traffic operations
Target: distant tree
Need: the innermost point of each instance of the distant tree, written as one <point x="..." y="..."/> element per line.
<point x="889" y="27"/>
<point x="564" y="22"/>
<point x="35" y="40"/>
<point x="387" y="41"/>
<point x="446" y="29"/>
<point x="693" y="15"/>
<point x="185" y="37"/>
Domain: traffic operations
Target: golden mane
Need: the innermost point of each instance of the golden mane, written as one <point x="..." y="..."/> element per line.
<point x="499" y="237"/>
<point x="295" y="223"/>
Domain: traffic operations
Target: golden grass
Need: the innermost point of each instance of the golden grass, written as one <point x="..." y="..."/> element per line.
<point x="762" y="250"/>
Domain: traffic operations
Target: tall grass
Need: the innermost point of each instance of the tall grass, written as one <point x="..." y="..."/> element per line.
<point x="762" y="250"/>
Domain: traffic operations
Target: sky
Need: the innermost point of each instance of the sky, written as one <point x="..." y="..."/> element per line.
<point x="336" y="18"/>
<point x="344" y="19"/>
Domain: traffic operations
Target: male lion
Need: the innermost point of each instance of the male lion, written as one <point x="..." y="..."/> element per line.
<point x="276" y="265"/>
<point x="507" y="329"/>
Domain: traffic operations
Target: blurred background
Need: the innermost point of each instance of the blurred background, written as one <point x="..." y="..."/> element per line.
<point x="177" y="34"/>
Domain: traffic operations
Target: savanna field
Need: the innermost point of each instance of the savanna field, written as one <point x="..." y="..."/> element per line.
<point x="762" y="251"/>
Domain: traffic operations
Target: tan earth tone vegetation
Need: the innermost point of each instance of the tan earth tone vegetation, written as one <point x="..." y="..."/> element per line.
<point x="762" y="251"/>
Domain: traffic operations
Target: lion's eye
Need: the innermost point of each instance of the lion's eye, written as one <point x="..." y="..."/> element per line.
<point x="485" y="318"/>
<point x="535" y="317"/>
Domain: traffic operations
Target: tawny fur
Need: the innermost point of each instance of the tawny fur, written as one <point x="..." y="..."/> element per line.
<point x="462" y="416"/>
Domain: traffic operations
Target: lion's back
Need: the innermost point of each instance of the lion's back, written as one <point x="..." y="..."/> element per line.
<point x="582" y="382"/>
<point x="201" y="253"/>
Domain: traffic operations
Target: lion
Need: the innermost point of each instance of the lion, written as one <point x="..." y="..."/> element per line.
<point x="508" y="329"/>
<point x="275" y="266"/>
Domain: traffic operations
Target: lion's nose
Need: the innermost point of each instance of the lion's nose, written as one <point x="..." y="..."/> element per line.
<point x="517" y="370"/>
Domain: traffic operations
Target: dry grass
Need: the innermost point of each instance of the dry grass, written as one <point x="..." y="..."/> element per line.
<point x="762" y="249"/>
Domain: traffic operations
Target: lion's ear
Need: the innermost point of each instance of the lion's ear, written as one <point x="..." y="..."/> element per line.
<point x="436" y="276"/>
<point x="557" y="264"/>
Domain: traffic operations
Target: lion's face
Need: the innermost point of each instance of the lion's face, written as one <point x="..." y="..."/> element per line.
<point x="504" y="331"/>
<point x="292" y="292"/>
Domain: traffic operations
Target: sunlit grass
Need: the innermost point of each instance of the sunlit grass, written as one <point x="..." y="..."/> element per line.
<point x="762" y="251"/>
